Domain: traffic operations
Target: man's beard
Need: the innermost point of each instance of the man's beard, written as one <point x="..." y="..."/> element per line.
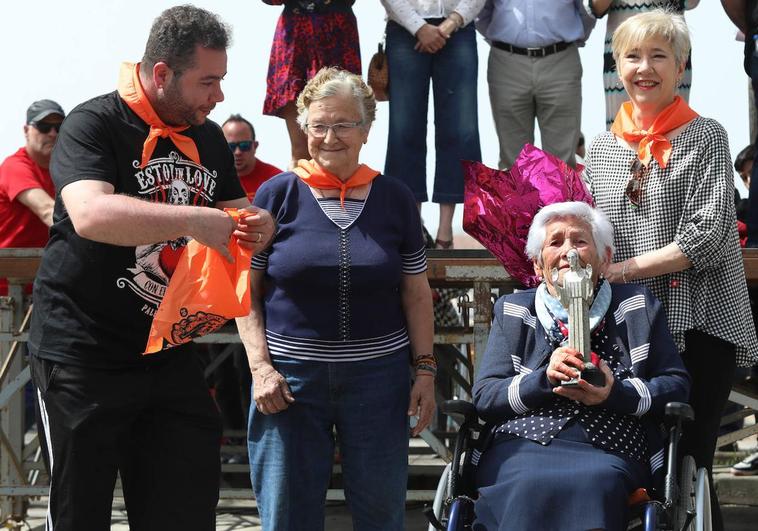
<point x="176" y="109"/>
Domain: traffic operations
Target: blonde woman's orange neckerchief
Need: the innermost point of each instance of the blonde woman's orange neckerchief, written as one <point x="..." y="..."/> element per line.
<point x="652" y="143"/>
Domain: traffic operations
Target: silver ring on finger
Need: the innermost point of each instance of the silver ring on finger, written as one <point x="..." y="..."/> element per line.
<point x="260" y="237"/>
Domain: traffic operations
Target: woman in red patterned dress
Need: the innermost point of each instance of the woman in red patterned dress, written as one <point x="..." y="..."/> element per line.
<point x="310" y="34"/>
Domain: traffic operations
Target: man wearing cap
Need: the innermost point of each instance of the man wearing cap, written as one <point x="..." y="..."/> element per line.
<point x="26" y="189"/>
<point x="252" y="172"/>
<point x="534" y="71"/>
<point x="138" y="172"/>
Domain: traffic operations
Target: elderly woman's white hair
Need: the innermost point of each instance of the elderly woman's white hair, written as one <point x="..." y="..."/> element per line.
<point x="602" y="230"/>
<point x="670" y="27"/>
<point x="332" y="81"/>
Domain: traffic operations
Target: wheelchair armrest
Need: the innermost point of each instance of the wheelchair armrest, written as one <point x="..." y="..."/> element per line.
<point x="680" y="410"/>
<point x="459" y="407"/>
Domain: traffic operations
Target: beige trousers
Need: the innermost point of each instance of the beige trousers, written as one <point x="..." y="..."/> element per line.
<point x="547" y="88"/>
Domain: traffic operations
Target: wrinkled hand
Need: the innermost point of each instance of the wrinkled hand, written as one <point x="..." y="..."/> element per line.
<point x="422" y="402"/>
<point x="256" y="229"/>
<point x="271" y="394"/>
<point x="212" y="227"/>
<point x="430" y="39"/>
<point x="565" y="364"/>
<point x="586" y="393"/>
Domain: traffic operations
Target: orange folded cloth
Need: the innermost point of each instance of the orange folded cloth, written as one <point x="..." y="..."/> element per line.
<point x="204" y="292"/>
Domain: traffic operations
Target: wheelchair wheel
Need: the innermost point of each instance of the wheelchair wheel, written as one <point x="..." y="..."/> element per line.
<point x="441" y="495"/>
<point x="694" y="495"/>
<point x="702" y="501"/>
<point x="687" y="480"/>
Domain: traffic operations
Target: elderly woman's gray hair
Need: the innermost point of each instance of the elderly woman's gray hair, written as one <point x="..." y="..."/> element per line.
<point x="670" y="27"/>
<point x="332" y="81"/>
<point x="602" y="230"/>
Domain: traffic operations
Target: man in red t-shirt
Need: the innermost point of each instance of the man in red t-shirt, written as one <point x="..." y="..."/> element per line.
<point x="241" y="137"/>
<point x="26" y="189"/>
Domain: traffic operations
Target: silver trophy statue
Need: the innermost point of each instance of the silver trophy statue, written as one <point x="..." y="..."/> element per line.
<point x="576" y="296"/>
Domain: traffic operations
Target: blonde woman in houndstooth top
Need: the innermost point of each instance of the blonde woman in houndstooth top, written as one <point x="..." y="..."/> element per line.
<point x="618" y="11"/>
<point x="663" y="176"/>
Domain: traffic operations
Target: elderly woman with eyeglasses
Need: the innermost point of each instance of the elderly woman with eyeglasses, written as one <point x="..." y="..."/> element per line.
<point x="567" y="458"/>
<point x="341" y="306"/>
<point x="663" y="176"/>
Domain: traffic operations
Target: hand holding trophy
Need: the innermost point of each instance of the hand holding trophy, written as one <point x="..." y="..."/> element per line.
<point x="576" y="295"/>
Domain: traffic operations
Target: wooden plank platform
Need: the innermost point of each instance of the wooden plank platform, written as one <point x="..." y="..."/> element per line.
<point x="455" y="266"/>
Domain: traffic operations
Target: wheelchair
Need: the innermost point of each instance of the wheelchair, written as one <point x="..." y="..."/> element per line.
<point x="684" y="504"/>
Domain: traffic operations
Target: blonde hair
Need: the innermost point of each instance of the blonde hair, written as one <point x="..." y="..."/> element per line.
<point x="332" y="81"/>
<point x="670" y="27"/>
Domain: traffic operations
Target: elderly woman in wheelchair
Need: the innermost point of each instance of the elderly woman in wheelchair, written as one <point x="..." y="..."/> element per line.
<point x="562" y="456"/>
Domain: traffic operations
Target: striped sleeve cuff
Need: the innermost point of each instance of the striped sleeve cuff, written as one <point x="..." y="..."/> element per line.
<point x="260" y="261"/>
<point x="514" y="396"/>
<point x="645" y="400"/>
<point x="414" y="263"/>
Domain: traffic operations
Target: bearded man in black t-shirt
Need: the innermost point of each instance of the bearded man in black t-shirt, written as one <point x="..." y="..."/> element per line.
<point x="138" y="172"/>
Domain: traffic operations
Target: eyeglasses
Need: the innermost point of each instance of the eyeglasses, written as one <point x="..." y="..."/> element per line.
<point x="44" y="127"/>
<point x="636" y="183"/>
<point x="245" y="145"/>
<point x="341" y="130"/>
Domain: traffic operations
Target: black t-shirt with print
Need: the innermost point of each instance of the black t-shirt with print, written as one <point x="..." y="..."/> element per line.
<point x="94" y="302"/>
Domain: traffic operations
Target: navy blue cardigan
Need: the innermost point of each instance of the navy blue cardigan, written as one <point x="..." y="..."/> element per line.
<point x="512" y="377"/>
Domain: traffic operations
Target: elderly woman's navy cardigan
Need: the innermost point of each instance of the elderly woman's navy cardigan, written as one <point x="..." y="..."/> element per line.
<point x="512" y="377"/>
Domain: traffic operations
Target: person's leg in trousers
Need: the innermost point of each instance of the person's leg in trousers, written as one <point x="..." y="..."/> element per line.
<point x="84" y="418"/>
<point x="292" y="452"/>
<point x="410" y="72"/>
<point x="456" y="129"/>
<point x="511" y="84"/>
<point x="372" y="429"/>
<point x="559" y="103"/>
<point x="171" y="470"/>
<point x="711" y="364"/>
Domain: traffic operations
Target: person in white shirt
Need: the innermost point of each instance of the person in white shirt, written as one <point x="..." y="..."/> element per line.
<point x="433" y="40"/>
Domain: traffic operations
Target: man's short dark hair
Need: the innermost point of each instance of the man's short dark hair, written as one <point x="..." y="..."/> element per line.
<point x="240" y="119"/>
<point x="744" y="156"/>
<point x="178" y="31"/>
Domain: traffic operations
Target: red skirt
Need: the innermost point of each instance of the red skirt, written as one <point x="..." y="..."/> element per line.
<point x="303" y="44"/>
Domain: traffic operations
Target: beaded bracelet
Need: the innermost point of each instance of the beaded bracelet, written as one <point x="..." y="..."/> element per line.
<point x="623" y="273"/>
<point x="427" y="367"/>
<point x="425" y="362"/>
<point x="425" y="358"/>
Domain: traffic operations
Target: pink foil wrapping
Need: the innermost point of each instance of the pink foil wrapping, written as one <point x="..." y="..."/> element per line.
<point x="499" y="205"/>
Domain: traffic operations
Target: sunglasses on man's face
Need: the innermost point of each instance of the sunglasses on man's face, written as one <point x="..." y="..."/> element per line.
<point x="45" y="128"/>
<point x="635" y="185"/>
<point x="245" y="145"/>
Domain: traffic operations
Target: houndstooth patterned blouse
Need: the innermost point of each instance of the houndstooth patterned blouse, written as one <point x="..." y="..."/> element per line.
<point x="690" y="202"/>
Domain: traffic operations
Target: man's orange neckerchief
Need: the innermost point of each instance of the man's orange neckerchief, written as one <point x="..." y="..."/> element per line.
<point x="130" y="90"/>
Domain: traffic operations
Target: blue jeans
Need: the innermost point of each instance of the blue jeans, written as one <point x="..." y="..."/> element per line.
<point x="292" y="452"/>
<point x="453" y="73"/>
